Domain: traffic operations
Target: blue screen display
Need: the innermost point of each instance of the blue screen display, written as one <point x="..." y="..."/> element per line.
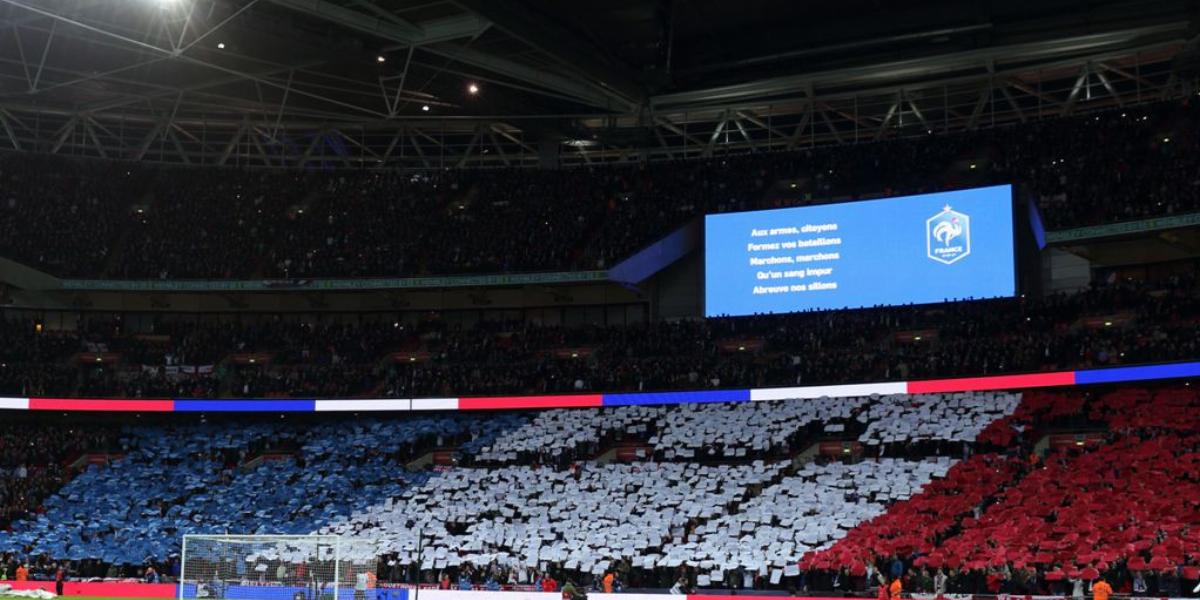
<point x="907" y="250"/>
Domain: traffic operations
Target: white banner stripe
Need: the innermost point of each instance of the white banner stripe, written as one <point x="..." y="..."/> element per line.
<point x="375" y="404"/>
<point x="435" y="403"/>
<point x="831" y="391"/>
<point x="14" y="403"/>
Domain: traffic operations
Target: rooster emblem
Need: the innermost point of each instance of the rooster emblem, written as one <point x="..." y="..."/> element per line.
<point x="946" y="231"/>
<point x="948" y="236"/>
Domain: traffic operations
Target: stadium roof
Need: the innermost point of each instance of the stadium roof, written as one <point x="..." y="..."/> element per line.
<point x="385" y="82"/>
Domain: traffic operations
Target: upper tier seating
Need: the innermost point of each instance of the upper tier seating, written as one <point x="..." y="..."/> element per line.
<point x="97" y="218"/>
<point x="1152" y="321"/>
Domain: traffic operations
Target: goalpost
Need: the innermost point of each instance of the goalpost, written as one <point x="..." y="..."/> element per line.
<point x="277" y="567"/>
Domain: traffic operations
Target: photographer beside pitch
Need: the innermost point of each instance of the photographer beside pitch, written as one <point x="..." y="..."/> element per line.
<point x="570" y="592"/>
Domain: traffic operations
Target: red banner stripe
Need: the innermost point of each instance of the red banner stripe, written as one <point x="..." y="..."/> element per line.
<point x="501" y="402"/>
<point x="998" y="382"/>
<point x="101" y="405"/>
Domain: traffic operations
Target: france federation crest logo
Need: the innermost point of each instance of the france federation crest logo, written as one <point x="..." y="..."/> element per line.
<point x="948" y="236"/>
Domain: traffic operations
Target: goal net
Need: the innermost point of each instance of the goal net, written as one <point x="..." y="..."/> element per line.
<point x="277" y="567"/>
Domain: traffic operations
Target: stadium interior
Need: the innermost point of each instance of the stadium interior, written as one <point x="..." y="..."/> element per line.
<point x="369" y="299"/>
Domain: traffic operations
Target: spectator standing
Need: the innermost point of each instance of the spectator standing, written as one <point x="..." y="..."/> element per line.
<point x="360" y="586"/>
<point x="1077" y="589"/>
<point x="680" y="587"/>
<point x="570" y="592"/>
<point x="1101" y="590"/>
<point x="1139" y="583"/>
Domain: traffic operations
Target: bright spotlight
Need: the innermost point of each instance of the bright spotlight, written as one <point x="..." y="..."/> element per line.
<point x="220" y="45"/>
<point x="425" y="107"/>
<point x="380" y="59"/>
<point x="473" y="89"/>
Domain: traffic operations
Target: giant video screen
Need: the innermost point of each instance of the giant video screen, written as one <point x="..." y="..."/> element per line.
<point x="906" y="250"/>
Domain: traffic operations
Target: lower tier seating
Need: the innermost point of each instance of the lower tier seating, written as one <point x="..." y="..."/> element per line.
<point x="999" y="491"/>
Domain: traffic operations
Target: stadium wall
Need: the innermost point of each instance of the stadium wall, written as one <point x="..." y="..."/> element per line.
<point x="114" y="589"/>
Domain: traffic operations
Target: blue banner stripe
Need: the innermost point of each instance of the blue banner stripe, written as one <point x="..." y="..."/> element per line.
<point x="1118" y="374"/>
<point x="677" y="397"/>
<point x="283" y="405"/>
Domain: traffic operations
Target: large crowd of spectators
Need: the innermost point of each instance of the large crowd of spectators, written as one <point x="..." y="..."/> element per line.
<point x="64" y="216"/>
<point x="1114" y="323"/>
<point x="33" y="362"/>
<point x="1112" y="497"/>
<point x="89" y="218"/>
<point x="208" y="224"/>
<point x="33" y="463"/>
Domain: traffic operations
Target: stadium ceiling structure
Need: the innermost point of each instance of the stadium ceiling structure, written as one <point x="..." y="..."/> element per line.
<point x="388" y="83"/>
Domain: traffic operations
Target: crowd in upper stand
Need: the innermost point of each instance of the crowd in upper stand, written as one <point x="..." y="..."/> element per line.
<point x="445" y="222"/>
<point x="207" y="224"/>
<point x="117" y="220"/>
<point x="1116" y="323"/>
<point x="64" y="216"/>
<point x="33" y="361"/>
